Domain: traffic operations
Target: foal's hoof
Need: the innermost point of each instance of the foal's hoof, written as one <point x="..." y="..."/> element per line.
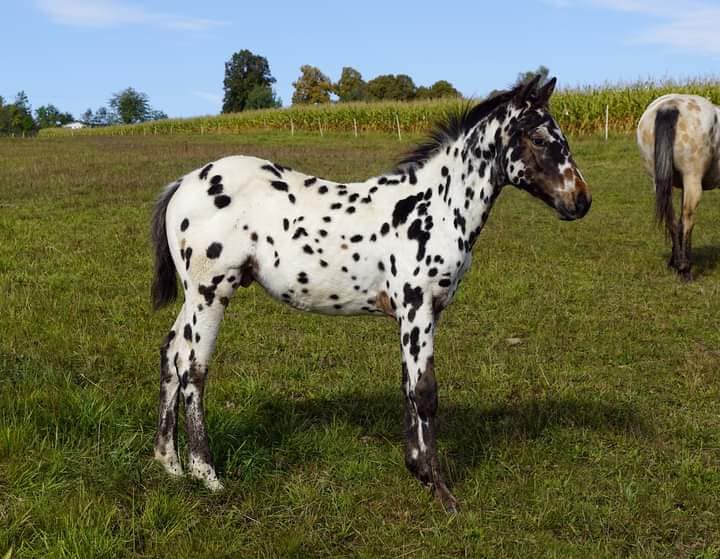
<point x="204" y="472"/>
<point x="442" y="494"/>
<point x="170" y="463"/>
<point x="214" y="485"/>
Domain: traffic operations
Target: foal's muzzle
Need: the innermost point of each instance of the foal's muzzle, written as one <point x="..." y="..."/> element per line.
<point x="577" y="209"/>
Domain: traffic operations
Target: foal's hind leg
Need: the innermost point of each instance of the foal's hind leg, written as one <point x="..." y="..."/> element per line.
<point x="166" y="437"/>
<point x="420" y="389"/>
<point x="203" y="313"/>
<point x="691" y="198"/>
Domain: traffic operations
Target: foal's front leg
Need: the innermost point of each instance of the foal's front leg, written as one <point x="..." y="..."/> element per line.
<point x="420" y="390"/>
<point x="199" y="332"/>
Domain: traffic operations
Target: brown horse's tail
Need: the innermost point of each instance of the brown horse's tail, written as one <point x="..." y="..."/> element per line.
<point x="164" y="287"/>
<point x="665" y="121"/>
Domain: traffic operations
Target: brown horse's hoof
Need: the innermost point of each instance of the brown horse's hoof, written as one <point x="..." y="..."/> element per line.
<point x="446" y="499"/>
<point x="685" y="276"/>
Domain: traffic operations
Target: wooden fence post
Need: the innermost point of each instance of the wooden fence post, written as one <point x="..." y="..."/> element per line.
<point x="397" y="121"/>
<point x="607" y="121"/>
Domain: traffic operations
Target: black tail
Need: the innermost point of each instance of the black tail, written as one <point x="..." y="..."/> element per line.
<point x="164" y="287"/>
<point x="665" y="121"/>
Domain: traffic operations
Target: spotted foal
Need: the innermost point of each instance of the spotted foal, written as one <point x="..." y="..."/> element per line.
<point x="396" y="244"/>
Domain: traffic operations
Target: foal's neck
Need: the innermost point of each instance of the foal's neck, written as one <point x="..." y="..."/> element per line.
<point x="467" y="175"/>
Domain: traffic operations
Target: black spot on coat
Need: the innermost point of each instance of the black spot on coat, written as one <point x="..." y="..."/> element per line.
<point x="215" y="189"/>
<point x="214" y="250"/>
<point x="403" y="208"/>
<point x="205" y="171"/>
<point x="272" y="170"/>
<point x="222" y="201"/>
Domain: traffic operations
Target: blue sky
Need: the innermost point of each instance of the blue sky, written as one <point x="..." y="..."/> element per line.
<point x="76" y="53"/>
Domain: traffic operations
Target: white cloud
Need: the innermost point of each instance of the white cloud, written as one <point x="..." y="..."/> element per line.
<point x="688" y="25"/>
<point x="110" y="13"/>
<point x="695" y="32"/>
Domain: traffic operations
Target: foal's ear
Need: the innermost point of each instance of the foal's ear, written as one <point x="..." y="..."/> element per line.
<point x="544" y="93"/>
<point x="528" y="91"/>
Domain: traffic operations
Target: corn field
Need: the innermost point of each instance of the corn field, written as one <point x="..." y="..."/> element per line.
<point x="580" y="111"/>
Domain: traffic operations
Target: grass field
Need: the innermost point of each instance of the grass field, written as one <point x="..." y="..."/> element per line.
<point x="597" y="436"/>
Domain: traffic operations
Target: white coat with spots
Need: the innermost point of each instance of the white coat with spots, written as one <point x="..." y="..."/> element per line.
<point x="395" y="245"/>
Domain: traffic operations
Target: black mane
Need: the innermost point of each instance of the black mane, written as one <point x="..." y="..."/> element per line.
<point x="456" y="122"/>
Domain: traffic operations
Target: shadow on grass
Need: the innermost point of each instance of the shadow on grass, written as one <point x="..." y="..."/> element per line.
<point x="468" y="434"/>
<point x="705" y="259"/>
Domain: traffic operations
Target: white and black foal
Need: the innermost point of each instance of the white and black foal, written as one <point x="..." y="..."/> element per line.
<point x="397" y="245"/>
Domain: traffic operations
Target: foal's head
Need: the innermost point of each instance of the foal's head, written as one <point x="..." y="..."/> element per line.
<point x="537" y="156"/>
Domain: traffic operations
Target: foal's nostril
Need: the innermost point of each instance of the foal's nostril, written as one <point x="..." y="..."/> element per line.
<point x="582" y="204"/>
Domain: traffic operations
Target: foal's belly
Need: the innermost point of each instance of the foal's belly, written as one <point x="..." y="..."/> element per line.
<point x="323" y="294"/>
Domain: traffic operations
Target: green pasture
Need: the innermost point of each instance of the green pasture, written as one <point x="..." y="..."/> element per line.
<point x="579" y="379"/>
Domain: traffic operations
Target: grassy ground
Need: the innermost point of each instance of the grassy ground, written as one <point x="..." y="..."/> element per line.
<point x="597" y="436"/>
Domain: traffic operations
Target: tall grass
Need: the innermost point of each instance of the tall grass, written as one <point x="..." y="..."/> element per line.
<point x="579" y="110"/>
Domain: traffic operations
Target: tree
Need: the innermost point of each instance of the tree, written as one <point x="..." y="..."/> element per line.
<point x="49" y="116"/>
<point x="104" y="117"/>
<point x="525" y="77"/>
<point x="440" y="89"/>
<point x="155" y="114"/>
<point x="243" y="72"/>
<point x="350" y="86"/>
<point x="391" y="87"/>
<point x="16" y="118"/>
<point x="311" y="87"/>
<point x="262" y="97"/>
<point x="131" y="106"/>
<point x="87" y="117"/>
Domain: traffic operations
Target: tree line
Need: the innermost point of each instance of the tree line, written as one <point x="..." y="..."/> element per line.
<point x="248" y="85"/>
<point x="128" y="106"/>
<point x="18" y="118"/>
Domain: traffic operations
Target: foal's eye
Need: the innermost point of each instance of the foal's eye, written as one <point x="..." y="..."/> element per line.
<point x="539" y="142"/>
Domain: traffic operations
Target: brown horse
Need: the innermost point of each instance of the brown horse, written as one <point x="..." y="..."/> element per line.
<point x="679" y="140"/>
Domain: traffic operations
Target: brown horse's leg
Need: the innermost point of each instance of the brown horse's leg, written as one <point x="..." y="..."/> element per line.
<point x="674" y="230"/>
<point x="691" y="197"/>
